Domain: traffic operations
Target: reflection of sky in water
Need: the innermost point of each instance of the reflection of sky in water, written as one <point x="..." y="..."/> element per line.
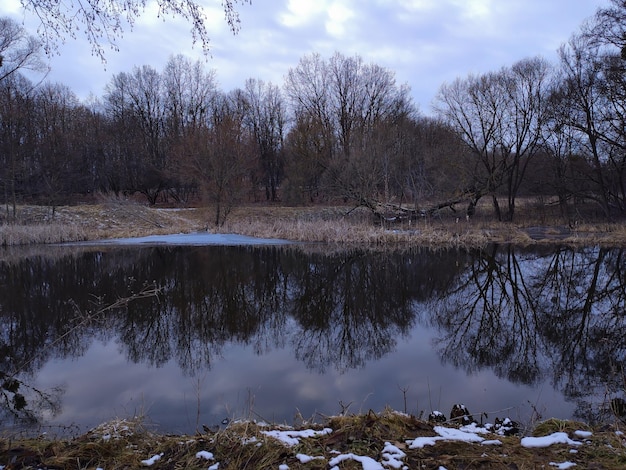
<point x="101" y="385"/>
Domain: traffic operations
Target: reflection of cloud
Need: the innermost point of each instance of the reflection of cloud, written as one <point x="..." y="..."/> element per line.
<point x="101" y="385"/>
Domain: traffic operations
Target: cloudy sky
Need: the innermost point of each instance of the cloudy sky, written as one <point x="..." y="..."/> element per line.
<point x="425" y="42"/>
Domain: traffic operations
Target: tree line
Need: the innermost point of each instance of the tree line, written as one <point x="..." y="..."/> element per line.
<point x="337" y="129"/>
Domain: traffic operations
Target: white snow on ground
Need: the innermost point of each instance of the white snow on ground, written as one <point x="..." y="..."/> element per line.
<point x="545" y="441"/>
<point x="303" y="458"/>
<point x="193" y="239"/>
<point x="292" y="438"/>
<point x="446" y="434"/>
<point x="368" y="463"/>
<point x="563" y="465"/>
<point x="491" y="442"/>
<point x="203" y="454"/>
<point x="152" y="460"/>
<point x="452" y="434"/>
<point x="392" y="456"/>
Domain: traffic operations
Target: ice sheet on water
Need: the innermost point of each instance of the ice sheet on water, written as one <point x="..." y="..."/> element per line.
<point x="193" y="239"/>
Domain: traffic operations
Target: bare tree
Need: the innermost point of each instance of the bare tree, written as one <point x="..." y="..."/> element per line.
<point x="349" y="109"/>
<point x="526" y="89"/>
<point x="581" y="67"/>
<point x="17" y="137"/>
<point x="18" y="50"/>
<point x="475" y="108"/>
<point x="189" y="89"/>
<point x="59" y="169"/>
<point x="218" y="154"/>
<point x="609" y="27"/>
<point x="266" y="116"/>
<point x="136" y="101"/>
<point x="500" y="116"/>
<point x="102" y="22"/>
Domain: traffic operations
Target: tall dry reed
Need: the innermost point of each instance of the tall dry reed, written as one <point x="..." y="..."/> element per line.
<point x="16" y="234"/>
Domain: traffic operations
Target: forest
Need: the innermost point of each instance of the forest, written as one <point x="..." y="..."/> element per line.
<point x="338" y="129"/>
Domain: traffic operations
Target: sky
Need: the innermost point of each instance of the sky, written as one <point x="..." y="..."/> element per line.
<point x="424" y="42"/>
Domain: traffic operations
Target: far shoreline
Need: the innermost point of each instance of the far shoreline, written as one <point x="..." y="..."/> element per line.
<point x="337" y="225"/>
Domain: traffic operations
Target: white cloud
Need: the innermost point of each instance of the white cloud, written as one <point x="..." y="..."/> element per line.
<point x="338" y="16"/>
<point x="475" y="9"/>
<point x="302" y="12"/>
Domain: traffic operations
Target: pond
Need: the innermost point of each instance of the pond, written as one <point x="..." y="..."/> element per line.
<point x="193" y="335"/>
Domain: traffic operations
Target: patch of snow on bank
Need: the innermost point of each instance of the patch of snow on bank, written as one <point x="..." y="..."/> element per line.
<point x="368" y="463"/>
<point x="446" y="434"/>
<point x="203" y="454"/>
<point x="292" y="438"/>
<point x="453" y="434"/>
<point x="392" y="456"/>
<point x="545" y="441"/>
<point x="563" y="465"/>
<point x="152" y="460"/>
<point x="303" y="458"/>
<point x="492" y="442"/>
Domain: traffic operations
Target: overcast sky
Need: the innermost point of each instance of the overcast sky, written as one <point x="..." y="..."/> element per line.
<point x="425" y="42"/>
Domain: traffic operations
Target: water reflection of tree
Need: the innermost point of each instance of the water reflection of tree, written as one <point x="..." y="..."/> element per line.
<point x="337" y="310"/>
<point x="526" y="315"/>
<point x="350" y="309"/>
<point x="489" y="317"/>
<point x="584" y="298"/>
<point x="208" y="300"/>
<point x="530" y="316"/>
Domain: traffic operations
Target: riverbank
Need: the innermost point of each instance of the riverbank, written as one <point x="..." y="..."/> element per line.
<point x="327" y="224"/>
<point x="370" y="441"/>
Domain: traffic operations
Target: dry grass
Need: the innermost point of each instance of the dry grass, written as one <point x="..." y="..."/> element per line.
<point x="335" y="224"/>
<point x="13" y="234"/>
<point x="36" y="224"/>
<point x="123" y="444"/>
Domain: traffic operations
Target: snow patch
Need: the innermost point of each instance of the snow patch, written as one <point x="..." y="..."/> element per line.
<point x="368" y="463"/>
<point x="203" y="454"/>
<point x="545" y="441"/>
<point x="152" y="460"/>
<point x="292" y="438"/>
<point x="563" y="465"/>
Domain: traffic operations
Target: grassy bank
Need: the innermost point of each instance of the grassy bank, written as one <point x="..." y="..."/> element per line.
<point x="370" y="441"/>
<point x="37" y="225"/>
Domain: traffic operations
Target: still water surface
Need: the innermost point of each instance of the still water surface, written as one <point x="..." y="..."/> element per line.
<point x="277" y="332"/>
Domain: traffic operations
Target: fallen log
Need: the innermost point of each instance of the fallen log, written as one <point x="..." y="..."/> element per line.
<point x="390" y="212"/>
